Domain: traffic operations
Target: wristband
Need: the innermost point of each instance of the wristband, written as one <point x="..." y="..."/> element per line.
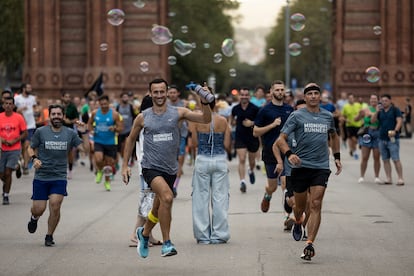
<point x="288" y="153"/>
<point x="337" y="156"/>
<point x="83" y="133"/>
<point x="203" y="103"/>
<point x="33" y="158"/>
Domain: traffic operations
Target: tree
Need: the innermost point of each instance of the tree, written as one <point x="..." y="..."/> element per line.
<point x="12" y="38"/>
<point x="208" y="26"/>
<point x="313" y="64"/>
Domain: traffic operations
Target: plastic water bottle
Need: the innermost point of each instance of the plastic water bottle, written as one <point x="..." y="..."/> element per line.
<point x="204" y="94"/>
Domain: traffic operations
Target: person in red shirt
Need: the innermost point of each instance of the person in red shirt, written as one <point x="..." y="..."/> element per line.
<point x="12" y="130"/>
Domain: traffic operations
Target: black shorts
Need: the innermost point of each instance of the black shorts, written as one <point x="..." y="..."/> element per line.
<point x="150" y="174"/>
<point x="108" y="150"/>
<point x="303" y="178"/>
<point x="252" y="144"/>
<point x="352" y="131"/>
<point x="121" y="140"/>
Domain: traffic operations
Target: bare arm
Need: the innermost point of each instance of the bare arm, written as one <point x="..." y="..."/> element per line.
<point x="227" y="139"/>
<point x="259" y="131"/>
<point x="335" y="144"/>
<point x="204" y="117"/>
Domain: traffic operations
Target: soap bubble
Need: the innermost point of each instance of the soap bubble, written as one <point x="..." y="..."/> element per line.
<point x="144" y="66"/>
<point x="366" y="138"/>
<point x="227" y="47"/>
<point x="116" y="17"/>
<point x="306" y="41"/>
<point x="103" y="47"/>
<point x="297" y="22"/>
<point x="182" y="48"/>
<point x="206" y="45"/>
<point x="377" y="30"/>
<point x="217" y="58"/>
<point x="271" y="51"/>
<point x="139" y="4"/>
<point x="184" y="29"/>
<point x="172" y="60"/>
<point x="295" y="49"/>
<point x="161" y="35"/>
<point x="232" y="72"/>
<point x="372" y="74"/>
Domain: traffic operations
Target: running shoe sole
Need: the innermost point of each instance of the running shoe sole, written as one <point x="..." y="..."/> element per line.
<point x="297" y="232"/>
<point x="308" y="253"/>
<point x="32" y="226"/>
<point x="243" y="187"/>
<point x="171" y="252"/>
<point x="252" y="178"/>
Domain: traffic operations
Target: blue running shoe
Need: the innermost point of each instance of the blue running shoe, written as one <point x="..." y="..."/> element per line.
<point x="142" y="247"/>
<point x="252" y="177"/>
<point x="297" y="231"/>
<point x="168" y="249"/>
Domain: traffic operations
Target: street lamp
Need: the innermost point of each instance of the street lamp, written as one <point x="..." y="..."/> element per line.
<point x="287" y="39"/>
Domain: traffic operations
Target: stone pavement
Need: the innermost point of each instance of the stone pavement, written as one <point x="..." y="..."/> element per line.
<point x="365" y="230"/>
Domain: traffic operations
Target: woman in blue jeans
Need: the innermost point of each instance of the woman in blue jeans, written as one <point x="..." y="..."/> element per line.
<point x="211" y="181"/>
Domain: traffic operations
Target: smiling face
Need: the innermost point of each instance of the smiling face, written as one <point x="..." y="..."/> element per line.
<point x="56" y="117"/>
<point x="159" y="94"/>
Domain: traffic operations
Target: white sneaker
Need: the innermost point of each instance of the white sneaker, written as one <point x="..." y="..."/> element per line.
<point x="378" y="181"/>
<point x="360" y="180"/>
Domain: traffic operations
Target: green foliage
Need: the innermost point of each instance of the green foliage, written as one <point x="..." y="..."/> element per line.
<point x="314" y="63"/>
<point x="11" y="33"/>
<point x="207" y="23"/>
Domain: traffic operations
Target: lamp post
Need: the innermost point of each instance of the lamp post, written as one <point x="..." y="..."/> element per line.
<point x="287" y="39"/>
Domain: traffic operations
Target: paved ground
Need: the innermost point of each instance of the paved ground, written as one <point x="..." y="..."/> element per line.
<point x="366" y="230"/>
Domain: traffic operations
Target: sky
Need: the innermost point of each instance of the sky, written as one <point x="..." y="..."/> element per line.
<point x="259" y="13"/>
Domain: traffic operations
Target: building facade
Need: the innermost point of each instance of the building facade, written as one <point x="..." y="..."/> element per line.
<point x="377" y="33"/>
<point x="68" y="43"/>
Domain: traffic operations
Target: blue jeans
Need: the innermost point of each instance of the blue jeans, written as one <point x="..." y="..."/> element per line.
<point x="211" y="191"/>
<point x="390" y="150"/>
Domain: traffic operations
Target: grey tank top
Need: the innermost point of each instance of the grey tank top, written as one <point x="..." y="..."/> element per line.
<point x="161" y="140"/>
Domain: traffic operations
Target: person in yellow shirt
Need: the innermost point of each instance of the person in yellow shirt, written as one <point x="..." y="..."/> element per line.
<point x="350" y="112"/>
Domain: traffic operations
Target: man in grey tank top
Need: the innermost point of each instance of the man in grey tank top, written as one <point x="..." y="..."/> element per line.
<point x="159" y="163"/>
<point x="310" y="161"/>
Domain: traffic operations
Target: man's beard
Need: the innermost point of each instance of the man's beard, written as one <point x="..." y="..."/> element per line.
<point x="56" y="123"/>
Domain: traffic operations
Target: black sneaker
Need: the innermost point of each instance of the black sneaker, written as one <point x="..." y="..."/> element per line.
<point x="6" y="200"/>
<point x="308" y="252"/>
<point x="252" y="177"/>
<point x="49" y="240"/>
<point x="297" y="231"/>
<point x="18" y="170"/>
<point x="32" y="225"/>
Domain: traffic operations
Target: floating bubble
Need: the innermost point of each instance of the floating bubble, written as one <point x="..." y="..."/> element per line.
<point x="295" y="49"/>
<point x="271" y="51"/>
<point x="144" y="66"/>
<point x="217" y="58"/>
<point x="377" y="30"/>
<point x="227" y="47"/>
<point x="103" y="47"/>
<point x="372" y="74"/>
<point x="139" y="4"/>
<point x="206" y="45"/>
<point x="306" y="41"/>
<point x="161" y="35"/>
<point x="116" y="17"/>
<point x="366" y="138"/>
<point x="182" y="48"/>
<point x="172" y="60"/>
<point x="194" y="45"/>
<point x="232" y="72"/>
<point x="297" y="22"/>
<point x="172" y="14"/>
<point x="184" y="29"/>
